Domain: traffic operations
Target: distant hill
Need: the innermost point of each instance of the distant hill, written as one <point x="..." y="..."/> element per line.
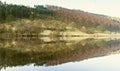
<point x="55" y="17"/>
<point x="88" y="20"/>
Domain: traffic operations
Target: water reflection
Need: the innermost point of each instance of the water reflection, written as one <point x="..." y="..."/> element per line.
<point x="35" y="54"/>
<point x="106" y="63"/>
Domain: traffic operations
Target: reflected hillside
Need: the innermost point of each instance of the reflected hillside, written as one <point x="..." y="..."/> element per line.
<point x="21" y="52"/>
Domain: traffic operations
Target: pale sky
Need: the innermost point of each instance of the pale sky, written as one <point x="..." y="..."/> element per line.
<point x="106" y="7"/>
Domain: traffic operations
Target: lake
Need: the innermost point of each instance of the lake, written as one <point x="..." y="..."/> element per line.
<point x="60" y="54"/>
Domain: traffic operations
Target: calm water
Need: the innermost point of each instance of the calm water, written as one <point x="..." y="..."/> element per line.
<point x="58" y="54"/>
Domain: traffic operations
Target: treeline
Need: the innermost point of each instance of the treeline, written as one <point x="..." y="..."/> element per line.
<point x="9" y="12"/>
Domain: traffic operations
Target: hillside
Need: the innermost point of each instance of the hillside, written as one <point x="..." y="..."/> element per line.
<point x="54" y="17"/>
<point x="85" y="21"/>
